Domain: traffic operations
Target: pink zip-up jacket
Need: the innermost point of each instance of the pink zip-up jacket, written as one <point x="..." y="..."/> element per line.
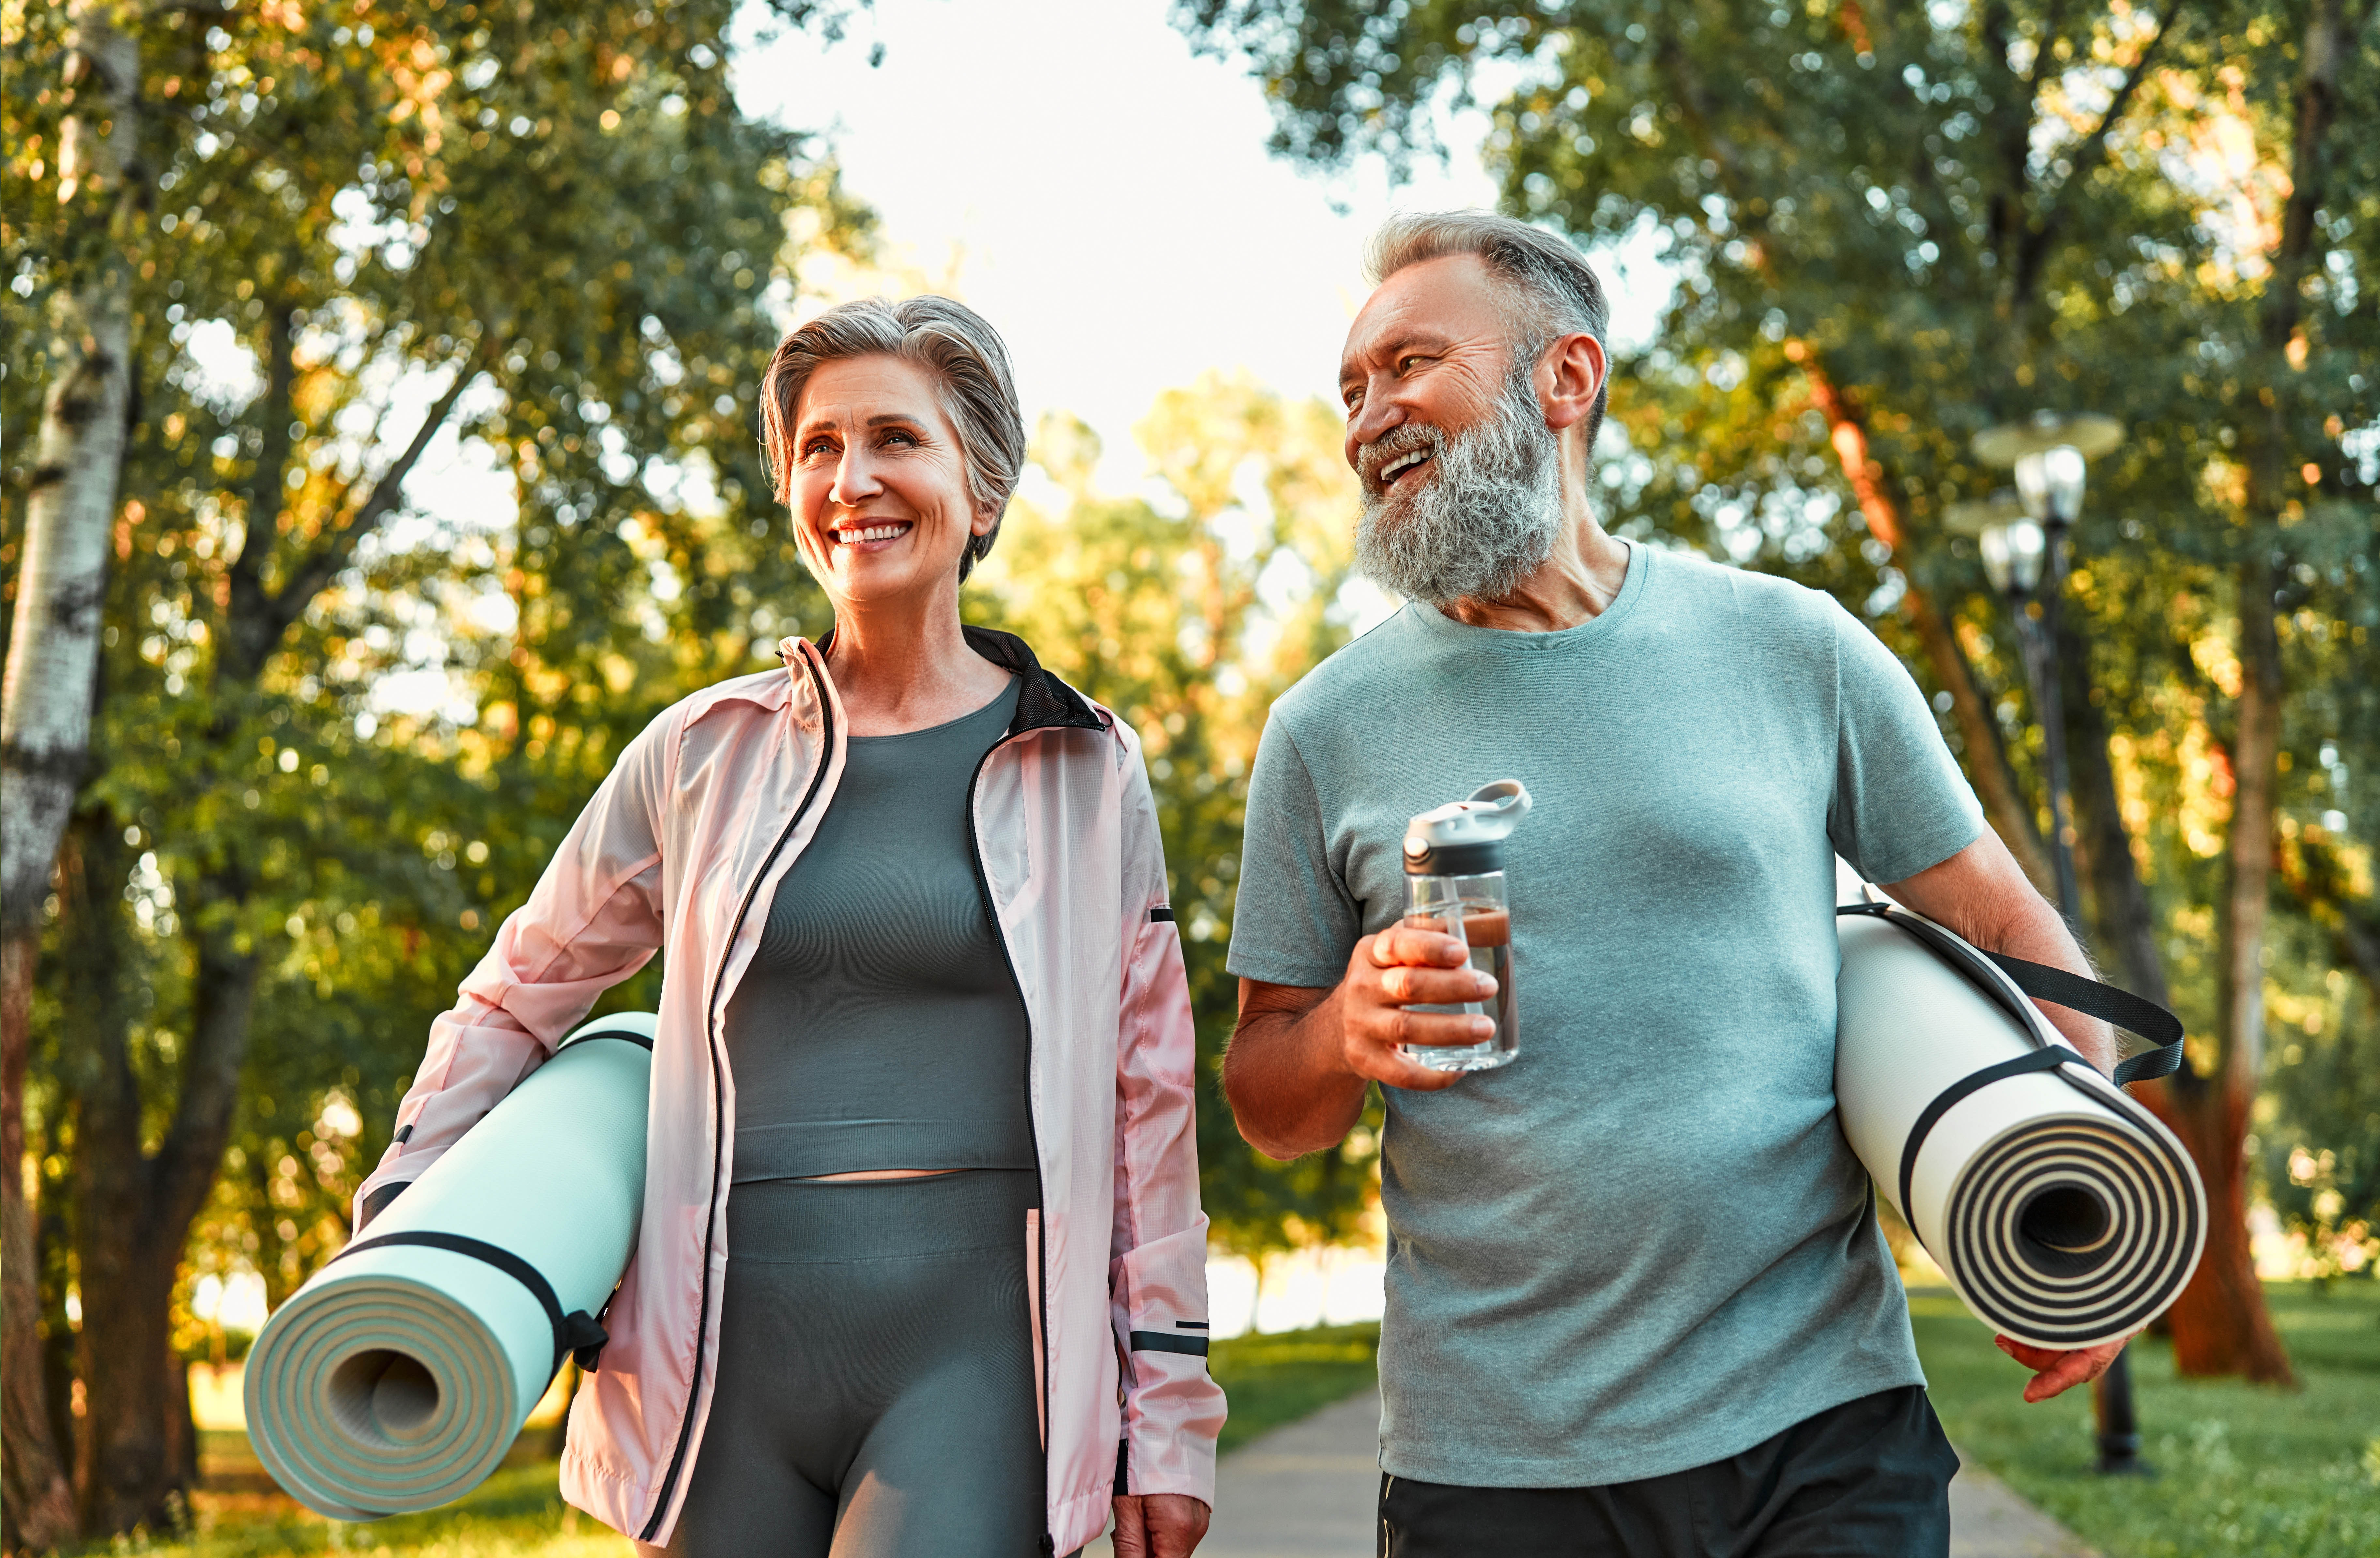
<point x="682" y="849"/>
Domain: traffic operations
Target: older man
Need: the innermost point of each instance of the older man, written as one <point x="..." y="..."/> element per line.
<point x="1637" y="1300"/>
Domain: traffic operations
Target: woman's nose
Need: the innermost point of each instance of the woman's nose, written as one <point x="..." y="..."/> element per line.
<point x="855" y="479"/>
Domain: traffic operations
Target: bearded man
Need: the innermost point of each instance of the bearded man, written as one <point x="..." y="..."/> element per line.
<point x="1637" y="1301"/>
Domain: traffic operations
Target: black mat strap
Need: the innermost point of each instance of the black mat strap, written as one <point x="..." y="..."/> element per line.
<point x="2090" y="997"/>
<point x="2048" y="1058"/>
<point x="576" y="1336"/>
<point x="630" y="1034"/>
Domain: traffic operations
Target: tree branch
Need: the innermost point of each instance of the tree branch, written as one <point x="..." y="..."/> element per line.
<point x="313" y="575"/>
<point x="2035" y="247"/>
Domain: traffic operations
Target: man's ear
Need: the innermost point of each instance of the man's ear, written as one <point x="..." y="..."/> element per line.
<point x="1578" y="366"/>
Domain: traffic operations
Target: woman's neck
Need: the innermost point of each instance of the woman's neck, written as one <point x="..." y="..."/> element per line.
<point x="900" y="671"/>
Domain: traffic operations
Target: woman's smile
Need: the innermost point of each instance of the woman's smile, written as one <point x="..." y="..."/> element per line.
<point x="869" y="535"/>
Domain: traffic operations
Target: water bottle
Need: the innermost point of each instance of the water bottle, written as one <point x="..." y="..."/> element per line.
<point x="1454" y="882"/>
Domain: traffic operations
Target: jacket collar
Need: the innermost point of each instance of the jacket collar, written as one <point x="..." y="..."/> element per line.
<point x="1043" y="703"/>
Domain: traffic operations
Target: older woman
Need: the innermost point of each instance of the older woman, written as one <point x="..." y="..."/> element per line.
<point x="921" y="1269"/>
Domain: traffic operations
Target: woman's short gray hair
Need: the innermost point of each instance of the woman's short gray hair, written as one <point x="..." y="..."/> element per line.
<point x="956" y="345"/>
<point x="1551" y="290"/>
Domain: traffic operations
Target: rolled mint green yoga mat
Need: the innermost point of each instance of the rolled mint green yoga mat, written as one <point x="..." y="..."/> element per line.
<point x="398" y="1376"/>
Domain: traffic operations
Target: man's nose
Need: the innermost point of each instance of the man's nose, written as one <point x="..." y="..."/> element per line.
<point x="1376" y="416"/>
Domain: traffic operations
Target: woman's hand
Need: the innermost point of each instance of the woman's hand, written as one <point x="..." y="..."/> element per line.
<point x="1158" y="1525"/>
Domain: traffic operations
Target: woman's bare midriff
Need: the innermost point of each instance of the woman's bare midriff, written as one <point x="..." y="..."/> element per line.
<point x="884" y="1174"/>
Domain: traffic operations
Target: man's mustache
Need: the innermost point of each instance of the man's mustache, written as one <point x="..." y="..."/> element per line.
<point x="1402" y="439"/>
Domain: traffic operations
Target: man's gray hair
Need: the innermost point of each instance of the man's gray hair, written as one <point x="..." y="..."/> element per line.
<point x="950" y="341"/>
<point x="1551" y="290"/>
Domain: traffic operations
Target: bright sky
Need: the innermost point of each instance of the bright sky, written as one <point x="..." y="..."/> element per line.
<point x="1071" y="170"/>
<point x="1104" y="196"/>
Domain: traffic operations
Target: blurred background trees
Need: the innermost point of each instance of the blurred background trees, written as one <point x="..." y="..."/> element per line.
<point x="428" y="478"/>
<point x="339" y="238"/>
<point x="1893" y="228"/>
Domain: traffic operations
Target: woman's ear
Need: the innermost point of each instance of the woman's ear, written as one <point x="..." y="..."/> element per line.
<point x="987" y="519"/>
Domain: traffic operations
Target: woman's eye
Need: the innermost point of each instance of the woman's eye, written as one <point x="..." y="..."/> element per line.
<point x="815" y="447"/>
<point x="897" y="435"/>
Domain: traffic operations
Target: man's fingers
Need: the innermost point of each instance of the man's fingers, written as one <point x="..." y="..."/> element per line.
<point x="2057" y="1372"/>
<point x="1395" y="1071"/>
<point x="2071" y="1369"/>
<point x="1415" y="948"/>
<point x="2031" y="1357"/>
<point x="1408" y="986"/>
<point x="1401" y="1025"/>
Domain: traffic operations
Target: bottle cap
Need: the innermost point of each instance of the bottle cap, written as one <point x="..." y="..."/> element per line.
<point x="1465" y="837"/>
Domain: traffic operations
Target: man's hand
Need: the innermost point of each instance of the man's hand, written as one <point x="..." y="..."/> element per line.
<point x="1399" y="967"/>
<point x="2055" y="1374"/>
<point x="1158" y="1525"/>
<point x="1302" y="1056"/>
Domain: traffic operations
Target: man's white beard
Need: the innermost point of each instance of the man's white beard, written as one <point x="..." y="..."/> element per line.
<point x="1481" y="521"/>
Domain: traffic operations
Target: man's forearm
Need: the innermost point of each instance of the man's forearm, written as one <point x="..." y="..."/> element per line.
<point x="1982" y="894"/>
<point x="2044" y="938"/>
<point x="1280" y="1077"/>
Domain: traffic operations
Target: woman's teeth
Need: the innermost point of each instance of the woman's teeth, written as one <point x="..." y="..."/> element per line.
<point x="871" y="532"/>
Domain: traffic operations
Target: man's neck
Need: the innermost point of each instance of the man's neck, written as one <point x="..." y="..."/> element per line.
<point x="1579" y="581"/>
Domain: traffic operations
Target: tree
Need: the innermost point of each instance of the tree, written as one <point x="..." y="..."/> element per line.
<point x="45" y="709"/>
<point x="561" y="245"/>
<point x="1187" y="611"/>
<point x="1893" y="230"/>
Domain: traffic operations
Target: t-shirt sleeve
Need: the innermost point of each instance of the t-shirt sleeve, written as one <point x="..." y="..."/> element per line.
<point x="1294" y="922"/>
<point x="1900" y="803"/>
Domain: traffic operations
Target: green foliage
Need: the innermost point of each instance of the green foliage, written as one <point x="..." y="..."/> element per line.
<point x="1953" y="216"/>
<point x="555" y="248"/>
<point x="2243" y="1471"/>
<point x="1187" y="610"/>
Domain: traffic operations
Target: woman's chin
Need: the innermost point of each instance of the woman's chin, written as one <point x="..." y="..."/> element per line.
<point x="880" y="582"/>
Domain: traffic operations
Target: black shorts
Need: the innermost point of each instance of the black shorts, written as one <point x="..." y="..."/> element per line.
<point x="1870" y="1479"/>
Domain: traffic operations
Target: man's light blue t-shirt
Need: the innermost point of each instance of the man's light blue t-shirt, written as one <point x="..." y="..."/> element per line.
<point x="1642" y="1246"/>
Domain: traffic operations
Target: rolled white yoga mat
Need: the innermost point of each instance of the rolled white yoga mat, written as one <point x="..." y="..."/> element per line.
<point x="396" y="1378"/>
<point x="2064" y="1213"/>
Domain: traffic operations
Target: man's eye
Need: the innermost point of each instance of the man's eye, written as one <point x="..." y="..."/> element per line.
<point x="1405" y="363"/>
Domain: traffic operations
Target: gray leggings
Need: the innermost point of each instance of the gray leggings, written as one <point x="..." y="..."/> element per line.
<point x="875" y="1375"/>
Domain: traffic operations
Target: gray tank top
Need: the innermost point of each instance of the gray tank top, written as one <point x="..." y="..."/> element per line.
<point x="878" y="1025"/>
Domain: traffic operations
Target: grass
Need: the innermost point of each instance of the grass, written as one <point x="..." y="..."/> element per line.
<point x="1291" y="1374"/>
<point x="517" y="1513"/>
<point x="2243" y="1471"/>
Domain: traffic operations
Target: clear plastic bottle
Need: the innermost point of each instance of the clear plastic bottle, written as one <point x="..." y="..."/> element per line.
<point x="1454" y="882"/>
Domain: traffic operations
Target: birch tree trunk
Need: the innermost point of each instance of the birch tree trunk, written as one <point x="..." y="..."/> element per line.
<point x="45" y="701"/>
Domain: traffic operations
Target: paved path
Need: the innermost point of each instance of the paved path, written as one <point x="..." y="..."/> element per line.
<point x="1308" y="1492"/>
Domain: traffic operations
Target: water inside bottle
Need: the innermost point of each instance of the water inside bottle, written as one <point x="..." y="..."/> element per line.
<point x="1486" y="930"/>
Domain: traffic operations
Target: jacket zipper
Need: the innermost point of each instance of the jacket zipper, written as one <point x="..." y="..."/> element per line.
<point x="1032" y="1120"/>
<point x="718" y="1103"/>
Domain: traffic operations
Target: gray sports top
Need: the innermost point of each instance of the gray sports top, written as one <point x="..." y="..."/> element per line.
<point x="878" y="1025"/>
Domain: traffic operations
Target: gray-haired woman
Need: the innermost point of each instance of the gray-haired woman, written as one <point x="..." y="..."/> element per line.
<point x="920" y="1270"/>
<point x="879" y="1390"/>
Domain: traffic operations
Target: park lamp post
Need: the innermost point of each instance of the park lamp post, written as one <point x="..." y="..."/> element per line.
<point x="2023" y="546"/>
